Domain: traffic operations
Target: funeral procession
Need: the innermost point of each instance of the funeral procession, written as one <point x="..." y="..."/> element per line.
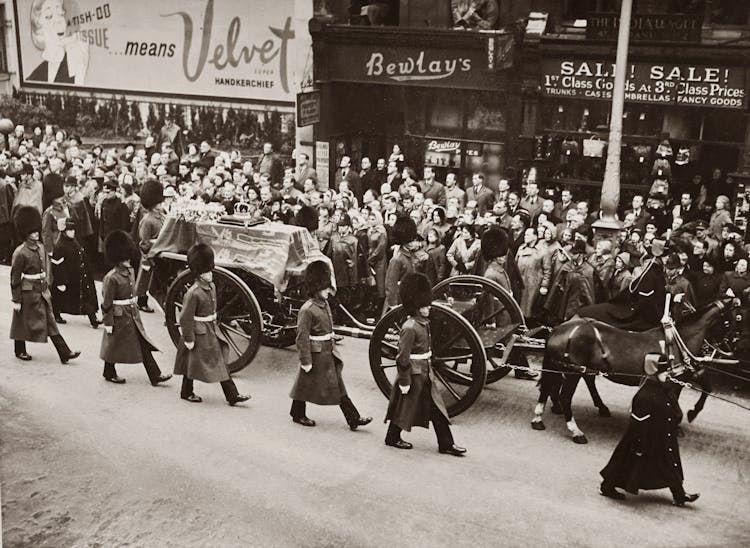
<point x="375" y="273"/>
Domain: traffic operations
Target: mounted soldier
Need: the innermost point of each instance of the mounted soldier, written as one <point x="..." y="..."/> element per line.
<point x="640" y="306"/>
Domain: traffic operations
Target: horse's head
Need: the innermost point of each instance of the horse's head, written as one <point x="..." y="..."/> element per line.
<point x="708" y="314"/>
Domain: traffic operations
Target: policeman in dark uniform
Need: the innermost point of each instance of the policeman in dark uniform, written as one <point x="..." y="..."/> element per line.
<point x="641" y="306"/>
<point x="648" y="456"/>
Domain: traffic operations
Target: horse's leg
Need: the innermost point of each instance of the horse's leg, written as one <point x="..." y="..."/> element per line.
<point x="549" y="385"/>
<point x="590" y="381"/>
<point x="570" y="383"/>
<point x="705" y="385"/>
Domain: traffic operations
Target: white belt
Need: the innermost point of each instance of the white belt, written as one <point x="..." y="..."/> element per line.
<point x="425" y="356"/>
<point x="39" y="276"/>
<point x="210" y="318"/>
<point x="125" y="302"/>
<point x="326" y="337"/>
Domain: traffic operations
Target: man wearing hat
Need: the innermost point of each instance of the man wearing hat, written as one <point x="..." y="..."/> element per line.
<point x="124" y="339"/>
<point x="152" y="195"/>
<point x="404" y="235"/>
<point x="648" y="456"/>
<point x="415" y="399"/>
<point x="683" y="296"/>
<point x="73" y="290"/>
<point x="574" y="285"/>
<point x="113" y="213"/>
<point x="640" y="307"/>
<point x="33" y="319"/>
<point x="319" y="379"/>
<point x="347" y="260"/>
<point x="200" y="353"/>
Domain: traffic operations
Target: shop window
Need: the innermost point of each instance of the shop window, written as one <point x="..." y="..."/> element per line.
<point x="580" y="9"/>
<point x="446" y="116"/>
<point x="485" y="116"/>
<point x="729" y="12"/>
<point x="723" y="126"/>
<point x="682" y="123"/>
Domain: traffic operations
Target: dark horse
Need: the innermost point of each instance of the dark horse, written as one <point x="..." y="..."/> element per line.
<point x="584" y="346"/>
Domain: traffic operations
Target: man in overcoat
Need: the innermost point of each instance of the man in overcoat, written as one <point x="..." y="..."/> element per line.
<point x="648" y="456"/>
<point x="124" y="339"/>
<point x="151" y="223"/>
<point x="415" y="400"/>
<point x="319" y="379"/>
<point x="73" y="290"/>
<point x="33" y="319"/>
<point x="200" y="353"/>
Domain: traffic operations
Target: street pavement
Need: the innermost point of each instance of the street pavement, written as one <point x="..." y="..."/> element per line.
<point x="89" y="463"/>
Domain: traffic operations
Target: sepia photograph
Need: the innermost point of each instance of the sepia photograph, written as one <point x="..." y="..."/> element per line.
<point x="374" y="273"/>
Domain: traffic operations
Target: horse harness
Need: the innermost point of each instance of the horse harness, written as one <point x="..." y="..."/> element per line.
<point x="583" y="369"/>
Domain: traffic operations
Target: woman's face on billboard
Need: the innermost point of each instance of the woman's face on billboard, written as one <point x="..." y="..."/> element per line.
<point x="52" y="23"/>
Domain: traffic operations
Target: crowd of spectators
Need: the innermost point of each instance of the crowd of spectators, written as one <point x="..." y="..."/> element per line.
<point x="553" y="264"/>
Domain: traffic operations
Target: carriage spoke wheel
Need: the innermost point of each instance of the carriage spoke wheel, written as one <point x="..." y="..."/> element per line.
<point x="492" y="312"/>
<point x="458" y="356"/>
<point x="237" y="311"/>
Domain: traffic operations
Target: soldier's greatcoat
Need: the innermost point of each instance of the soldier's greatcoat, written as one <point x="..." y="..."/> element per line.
<point x="205" y="361"/>
<point x="148" y="230"/>
<point x="323" y="384"/>
<point x="29" y="273"/>
<point x="124" y="344"/>
<point x="413" y="408"/>
<point x="648" y="456"/>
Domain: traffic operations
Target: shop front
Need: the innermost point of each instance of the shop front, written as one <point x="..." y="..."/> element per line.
<point x="447" y="99"/>
<point x="681" y="120"/>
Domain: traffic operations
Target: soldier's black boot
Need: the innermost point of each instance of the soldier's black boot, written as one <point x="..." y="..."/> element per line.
<point x="65" y="353"/>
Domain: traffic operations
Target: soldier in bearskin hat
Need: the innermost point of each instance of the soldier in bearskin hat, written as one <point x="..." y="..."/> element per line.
<point x="495" y="243"/>
<point x="33" y="319"/>
<point x="404" y="234"/>
<point x="152" y="195"/>
<point x="124" y="339"/>
<point x="648" y="456"/>
<point x="73" y="290"/>
<point x="200" y="354"/>
<point x="319" y="377"/>
<point x="415" y="400"/>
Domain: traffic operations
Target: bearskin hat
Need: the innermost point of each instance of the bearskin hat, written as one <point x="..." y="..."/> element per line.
<point x="404" y="231"/>
<point x="52" y="188"/>
<point x="307" y="217"/>
<point x="415" y="292"/>
<point x="317" y="277"/>
<point x="26" y="220"/>
<point x="152" y="193"/>
<point x="494" y="243"/>
<point x="119" y="247"/>
<point x="200" y="258"/>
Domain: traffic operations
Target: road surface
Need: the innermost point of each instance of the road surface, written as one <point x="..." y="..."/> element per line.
<point x="90" y="463"/>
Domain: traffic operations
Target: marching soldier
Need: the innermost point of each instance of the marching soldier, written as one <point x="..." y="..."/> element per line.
<point x="73" y="290"/>
<point x="648" y="456"/>
<point x="415" y="400"/>
<point x="319" y="378"/>
<point x="200" y="355"/>
<point x="404" y="234"/>
<point x="124" y="339"/>
<point x="152" y="195"/>
<point x="33" y="319"/>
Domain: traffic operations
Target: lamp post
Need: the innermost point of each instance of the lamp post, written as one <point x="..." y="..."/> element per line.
<point x="608" y="225"/>
<point x="6" y="128"/>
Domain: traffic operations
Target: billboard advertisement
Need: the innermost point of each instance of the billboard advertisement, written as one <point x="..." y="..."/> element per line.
<point x="233" y="50"/>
